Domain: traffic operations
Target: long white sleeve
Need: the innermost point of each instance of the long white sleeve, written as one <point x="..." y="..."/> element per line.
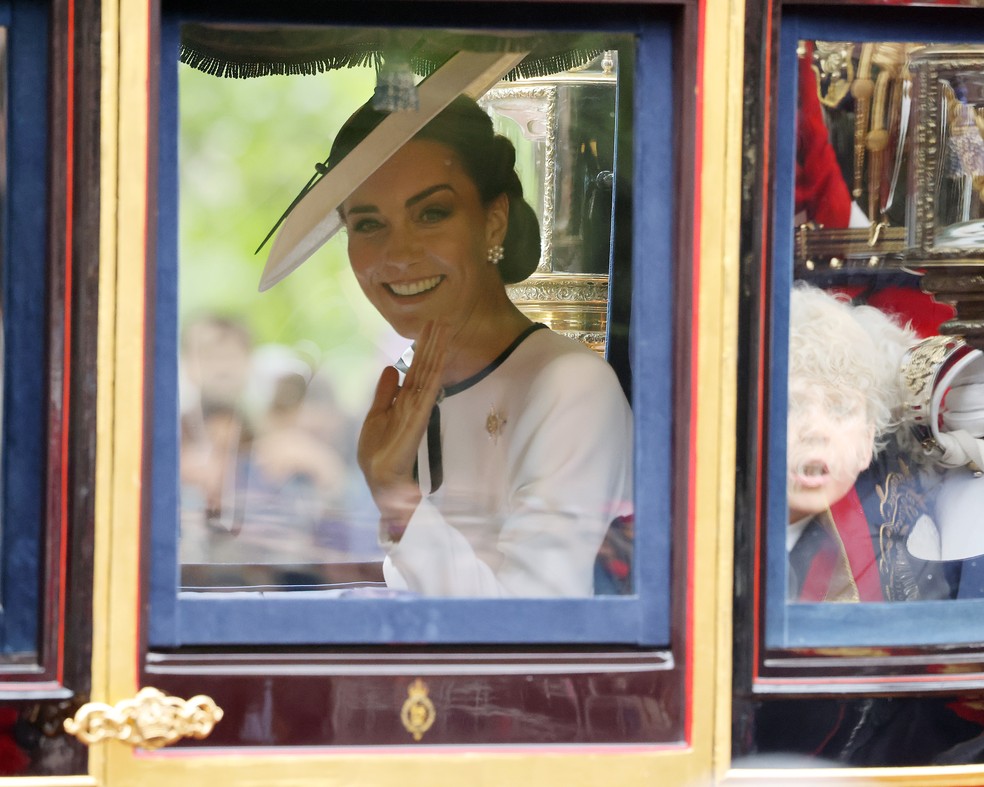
<point x="522" y="512"/>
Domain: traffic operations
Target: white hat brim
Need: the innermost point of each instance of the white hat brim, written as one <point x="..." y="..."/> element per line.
<point x="315" y="218"/>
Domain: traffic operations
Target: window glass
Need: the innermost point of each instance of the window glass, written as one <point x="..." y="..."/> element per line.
<point x="522" y="473"/>
<point x="275" y="385"/>
<point x="882" y="451"/>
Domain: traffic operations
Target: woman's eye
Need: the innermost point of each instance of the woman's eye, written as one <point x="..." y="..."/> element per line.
<point x="366" y="225"/>
<point x="433" y="214"/>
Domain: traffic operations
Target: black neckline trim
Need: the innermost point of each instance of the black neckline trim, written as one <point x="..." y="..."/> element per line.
<point x="451" y="390"/>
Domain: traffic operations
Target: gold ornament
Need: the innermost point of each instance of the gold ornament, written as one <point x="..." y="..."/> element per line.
<point x="148" y="721"/>
<point x="493" y="424"/>
<point x="417" y="713"/>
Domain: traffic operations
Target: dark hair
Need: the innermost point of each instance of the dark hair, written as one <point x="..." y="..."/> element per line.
<point x="488" y="158"/>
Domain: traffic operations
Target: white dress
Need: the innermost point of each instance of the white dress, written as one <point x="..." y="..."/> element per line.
<point x="536" y="461"/>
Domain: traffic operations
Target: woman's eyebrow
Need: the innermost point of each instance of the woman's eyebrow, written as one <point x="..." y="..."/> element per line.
<point x="409" y="203"/>
<point x="362" y="209"/>
<point x="427" y="192"/>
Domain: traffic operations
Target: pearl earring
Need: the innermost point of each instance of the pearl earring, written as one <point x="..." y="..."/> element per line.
<point x="496" y="253"/>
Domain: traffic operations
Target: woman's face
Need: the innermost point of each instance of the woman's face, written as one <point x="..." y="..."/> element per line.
<point x="829" y="442"/>
<point x="418" y="240"/>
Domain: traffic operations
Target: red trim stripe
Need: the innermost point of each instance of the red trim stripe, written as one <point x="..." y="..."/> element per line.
<point x="67" y="329"/>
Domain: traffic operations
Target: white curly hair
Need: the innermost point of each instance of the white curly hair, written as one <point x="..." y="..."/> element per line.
<point x="839" y="347"/>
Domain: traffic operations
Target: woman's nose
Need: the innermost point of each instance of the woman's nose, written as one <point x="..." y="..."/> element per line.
<point x="402" y="246"/>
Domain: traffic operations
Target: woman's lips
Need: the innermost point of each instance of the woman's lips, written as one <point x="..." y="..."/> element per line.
<point x="405" y="289"/>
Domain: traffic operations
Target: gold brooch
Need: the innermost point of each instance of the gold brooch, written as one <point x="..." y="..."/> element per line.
<point x="494" y="424"/>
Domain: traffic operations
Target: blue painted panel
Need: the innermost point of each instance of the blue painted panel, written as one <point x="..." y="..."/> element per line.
<point x="898" y="624"/>
<point x="652" y="328"/>
<point x="304" y="618"/>
<point x="24" y="233"/>
<point x="778" y="331"/>
<point x="165" y="476"/>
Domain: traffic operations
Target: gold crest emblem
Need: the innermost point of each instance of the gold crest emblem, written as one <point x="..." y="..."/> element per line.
<point x="417" y="713"/>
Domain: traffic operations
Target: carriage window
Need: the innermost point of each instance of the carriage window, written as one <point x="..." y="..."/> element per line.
<point x="491" y="463"/>
<point x="881" y="392"/>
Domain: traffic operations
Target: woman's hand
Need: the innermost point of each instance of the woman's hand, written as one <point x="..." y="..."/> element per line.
<point x="395" y="426"/>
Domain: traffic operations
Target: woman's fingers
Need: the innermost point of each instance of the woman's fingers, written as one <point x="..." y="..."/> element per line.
<point x="430" y="363"/>
<point x="420" y="351"/>
<point x="396" y="423"/>
<point x="386" y="390"/>
<point x="430" y="353"/>
<point x="398" y="417"/>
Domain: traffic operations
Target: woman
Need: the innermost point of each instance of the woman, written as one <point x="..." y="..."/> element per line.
<point x="505" y="453"/>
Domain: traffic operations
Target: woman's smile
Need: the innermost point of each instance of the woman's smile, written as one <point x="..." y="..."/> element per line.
<point x="416" y="287"/>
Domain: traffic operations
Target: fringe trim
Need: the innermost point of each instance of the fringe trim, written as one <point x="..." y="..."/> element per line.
<point x="532" y="67"/>
<point x="219" y="66"/>
<point x="554" y="64"/>
<point x="223" y="67"/>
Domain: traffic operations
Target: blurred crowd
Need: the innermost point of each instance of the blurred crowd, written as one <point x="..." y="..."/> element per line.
<point x="268" y="471"/>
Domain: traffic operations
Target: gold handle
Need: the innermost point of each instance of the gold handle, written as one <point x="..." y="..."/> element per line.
<point x="150" y="720"/>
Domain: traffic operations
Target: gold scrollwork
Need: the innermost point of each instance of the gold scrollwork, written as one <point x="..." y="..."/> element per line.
<point x="578" y="287"/>
<point x="575" y="305"/>
<point x="148" y="721"/>
<point x="417" y="713"/>
<point x="833" y="68"/>
<point x="921" y="364"/>
<point x="534" y="109"/>
<point x="900" y="505"/>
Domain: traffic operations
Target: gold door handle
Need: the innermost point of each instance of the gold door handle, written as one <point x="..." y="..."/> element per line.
<point x="148" y="721"/>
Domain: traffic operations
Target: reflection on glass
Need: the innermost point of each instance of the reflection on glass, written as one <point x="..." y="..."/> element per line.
<point x="498" y="460"/>
<point x="857" y="732"/>
<point x="563" y="129"/>
<point x="953" y="77"/>
<point x="885" y="417"/>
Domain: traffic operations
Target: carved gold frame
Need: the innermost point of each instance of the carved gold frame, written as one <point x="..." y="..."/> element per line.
<point x="954" y="274"/>
<point x="546" y="93"/>
<point x="929" y="66"/>
<point x="573" y="304"/>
